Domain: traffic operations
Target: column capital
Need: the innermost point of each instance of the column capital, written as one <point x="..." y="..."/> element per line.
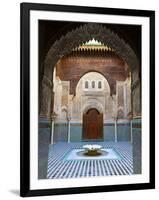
<point x="53" y="116"/>
<point x="68" y="118"/>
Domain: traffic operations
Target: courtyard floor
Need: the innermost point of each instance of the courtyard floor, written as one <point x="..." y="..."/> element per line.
<point x="63" y="163"/>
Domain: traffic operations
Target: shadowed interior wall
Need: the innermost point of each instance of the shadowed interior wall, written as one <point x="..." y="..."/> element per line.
<point x="43" y="147"/>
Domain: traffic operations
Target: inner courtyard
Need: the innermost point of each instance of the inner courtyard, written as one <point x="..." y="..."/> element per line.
<point x="90" y="96"/>
<point x="61" y="166"/>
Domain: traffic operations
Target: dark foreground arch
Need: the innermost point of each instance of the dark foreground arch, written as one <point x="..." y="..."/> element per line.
<point x="72" y="40"/>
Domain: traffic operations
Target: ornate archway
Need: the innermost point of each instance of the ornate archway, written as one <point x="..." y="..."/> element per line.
<point x="93" y="104"/>
<point x="111" y="82"/>
<point x="72" y="40"/>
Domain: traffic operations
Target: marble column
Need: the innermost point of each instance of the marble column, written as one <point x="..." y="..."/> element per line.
<point x="69" y="119"/>
<point x="116" y="130"/>
<point x="52" y="127"/>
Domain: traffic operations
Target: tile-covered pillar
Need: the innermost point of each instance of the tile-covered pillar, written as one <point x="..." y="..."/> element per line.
<point x="43" y="146"/>
<point x="44" y="130"/>
<point x="136" y="145"/>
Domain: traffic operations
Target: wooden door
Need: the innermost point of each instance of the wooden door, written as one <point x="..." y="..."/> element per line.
<point x="92" y="125"/>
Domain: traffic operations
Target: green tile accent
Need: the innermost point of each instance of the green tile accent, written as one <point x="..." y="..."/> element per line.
<point x="75" y="132"/>
<point x="109" y="132"/>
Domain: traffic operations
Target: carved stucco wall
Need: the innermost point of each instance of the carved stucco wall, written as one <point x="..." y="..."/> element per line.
<point x="72" y="40"/>
<point x="87" y="98"/>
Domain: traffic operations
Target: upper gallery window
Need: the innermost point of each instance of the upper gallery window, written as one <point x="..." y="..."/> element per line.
<point x="99" y="84"/>
<point x="86" y="84"/>
<point x="93" y="84"/>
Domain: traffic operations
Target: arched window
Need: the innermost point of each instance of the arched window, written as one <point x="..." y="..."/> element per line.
<point x="99" y="84"/>
<point x="86" y="84"/>
<point x="93" y="84"/>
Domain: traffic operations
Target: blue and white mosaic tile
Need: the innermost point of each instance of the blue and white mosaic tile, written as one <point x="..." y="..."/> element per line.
<point x="62" y="162"/>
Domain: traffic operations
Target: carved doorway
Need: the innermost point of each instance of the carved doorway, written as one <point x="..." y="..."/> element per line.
<point x="92" y="125"/>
